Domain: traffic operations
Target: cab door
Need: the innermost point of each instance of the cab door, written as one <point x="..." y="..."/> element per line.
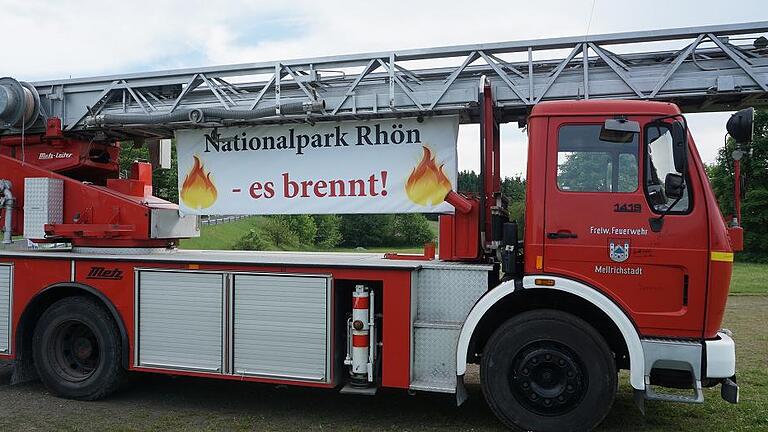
<point x="597" y="226"/>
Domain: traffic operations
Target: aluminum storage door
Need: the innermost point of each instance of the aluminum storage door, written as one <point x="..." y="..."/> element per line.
<point x="5" y="307"/>
<point x="281" y="326"/>
<point x="180" y="320"/>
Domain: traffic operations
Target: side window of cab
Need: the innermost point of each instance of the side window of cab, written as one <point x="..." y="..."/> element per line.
<point x="659" y="166"/>
<point x="587" y="162"/>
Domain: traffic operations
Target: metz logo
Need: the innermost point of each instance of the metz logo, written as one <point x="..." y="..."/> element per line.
<point x="58" y="155"/>
<point x="103" y="273"/>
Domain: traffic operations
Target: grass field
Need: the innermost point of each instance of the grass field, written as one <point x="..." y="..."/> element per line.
<point x="223" y="236"/>
<point x="749" y="279"/>
<point x="220" y="237"/>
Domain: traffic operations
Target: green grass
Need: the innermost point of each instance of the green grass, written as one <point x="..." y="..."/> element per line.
<point x="220" y="237"/>
<point x="749" y="279"/>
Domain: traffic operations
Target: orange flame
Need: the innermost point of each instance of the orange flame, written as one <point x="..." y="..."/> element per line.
<point x="198" y="190"/>
<point x="427" y="184"/>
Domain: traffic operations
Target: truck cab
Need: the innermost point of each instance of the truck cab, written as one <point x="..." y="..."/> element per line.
<point x="598" y="212"/>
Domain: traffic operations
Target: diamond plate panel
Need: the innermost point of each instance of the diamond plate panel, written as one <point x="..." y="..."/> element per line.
<point x="434" y="365"/>
<point x="43" y="204"/>
<point x="448" y="294"/>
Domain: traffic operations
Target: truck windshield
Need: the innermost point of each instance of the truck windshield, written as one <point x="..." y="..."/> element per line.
<point x="659" y="163"/>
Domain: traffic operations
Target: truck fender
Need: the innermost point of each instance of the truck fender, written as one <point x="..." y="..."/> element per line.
<point x="76" y="286"/>
<point x="614" y="312"/>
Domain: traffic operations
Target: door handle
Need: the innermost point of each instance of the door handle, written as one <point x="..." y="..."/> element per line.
<point x="561" y="235"/>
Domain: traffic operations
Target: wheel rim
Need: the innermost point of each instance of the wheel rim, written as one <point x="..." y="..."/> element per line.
<point x="548" y="378"/>
<point x="75" y="351"/>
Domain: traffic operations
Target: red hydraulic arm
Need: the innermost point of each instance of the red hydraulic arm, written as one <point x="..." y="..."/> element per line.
<point x="468" y="233"/>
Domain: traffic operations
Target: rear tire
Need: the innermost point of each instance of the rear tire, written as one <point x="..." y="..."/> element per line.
<point x="547" y="370"/>
<point x="77" y="350"/>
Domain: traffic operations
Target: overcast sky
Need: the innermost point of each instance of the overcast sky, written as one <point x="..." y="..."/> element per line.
<point x="59" y="39"/>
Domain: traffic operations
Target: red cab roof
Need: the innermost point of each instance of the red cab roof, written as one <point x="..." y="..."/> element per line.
<point x="603" y="107"/>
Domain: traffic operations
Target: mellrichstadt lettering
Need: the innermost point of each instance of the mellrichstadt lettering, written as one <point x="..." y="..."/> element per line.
<point x="360" y="135"/>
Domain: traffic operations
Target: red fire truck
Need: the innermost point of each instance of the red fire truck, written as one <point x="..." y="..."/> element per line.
<point x="624" y="261"/>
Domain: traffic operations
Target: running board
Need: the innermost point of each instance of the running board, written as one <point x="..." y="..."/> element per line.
<point x="696" y="397"/>
<point x="682" y="355"/>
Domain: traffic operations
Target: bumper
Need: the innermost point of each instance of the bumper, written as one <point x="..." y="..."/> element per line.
<point x="721" y="357"/>
<point x="721" y="365"/>
<point x="690" y="364"/>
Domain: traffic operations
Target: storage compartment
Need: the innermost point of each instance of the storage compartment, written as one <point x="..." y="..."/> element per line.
<point x="180" y="320"/>
<point x="281" y="326"/>
<point x="252" y="324"/>
<point x="43" y="204"/>
<point x="6" y="272"/>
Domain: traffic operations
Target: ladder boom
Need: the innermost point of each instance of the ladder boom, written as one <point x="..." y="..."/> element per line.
<point x="706" y="68"/>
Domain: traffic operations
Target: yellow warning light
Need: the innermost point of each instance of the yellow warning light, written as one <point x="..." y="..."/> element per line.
<point x="544" y="282"/>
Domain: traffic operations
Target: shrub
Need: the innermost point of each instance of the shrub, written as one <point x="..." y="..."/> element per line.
<point x="367" y="230"/>
<point x="303" y="226"/>
<point x="328" y="231"/>
<point x="411" y="229"/>
<point x="517" y="213"/>
<point x="252" y="240"/>
<point x="277" y="231"/>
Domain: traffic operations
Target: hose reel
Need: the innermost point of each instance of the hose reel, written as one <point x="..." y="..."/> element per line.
<point x="19" y="104"/>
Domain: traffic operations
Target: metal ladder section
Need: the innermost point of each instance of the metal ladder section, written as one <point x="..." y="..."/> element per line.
<point x="673" y="354"/>
<point x="441" y="299"/>
<point x="707" y="68"/>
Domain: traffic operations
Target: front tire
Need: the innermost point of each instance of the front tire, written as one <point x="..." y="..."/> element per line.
<point x="547" y="370"/>
<point x="77" y="350"/>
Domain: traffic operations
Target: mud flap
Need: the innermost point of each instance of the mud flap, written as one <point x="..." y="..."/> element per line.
<point x="461" y="391"/>
<point x="639" y="397"/>
<point x="729" y="390"/>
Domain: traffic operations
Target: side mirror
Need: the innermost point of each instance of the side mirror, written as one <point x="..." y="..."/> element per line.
<point x="680" y="146"/>
<point x="741" y="125"/>
<point x="674" y="186"/>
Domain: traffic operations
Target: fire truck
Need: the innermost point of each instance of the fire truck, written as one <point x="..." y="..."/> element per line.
<point x="624" y="261"/>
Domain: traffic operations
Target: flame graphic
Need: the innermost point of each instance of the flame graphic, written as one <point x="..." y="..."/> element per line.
<point x="198" y="190"/>
<point x="427" y="184"/>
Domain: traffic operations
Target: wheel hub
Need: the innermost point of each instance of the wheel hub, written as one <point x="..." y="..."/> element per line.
<point x="82" y="348"/>
<point x="547" y="378"/>
<point x="75" y="351"/>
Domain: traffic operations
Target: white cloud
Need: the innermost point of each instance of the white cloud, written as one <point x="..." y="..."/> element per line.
<point x="46" y="40"/>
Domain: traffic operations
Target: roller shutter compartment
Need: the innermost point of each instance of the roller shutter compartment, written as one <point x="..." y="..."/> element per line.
<point x="180" y="320"/>
<point x="6" y="272"/>
<point x="281" y="326"/>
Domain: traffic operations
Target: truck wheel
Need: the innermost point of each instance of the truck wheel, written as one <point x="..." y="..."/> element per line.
<point x="77" y="350"/>
<point x="547" y="370"/>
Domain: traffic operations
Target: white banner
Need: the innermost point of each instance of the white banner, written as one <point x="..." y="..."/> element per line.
<point x="366" y="166"/>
